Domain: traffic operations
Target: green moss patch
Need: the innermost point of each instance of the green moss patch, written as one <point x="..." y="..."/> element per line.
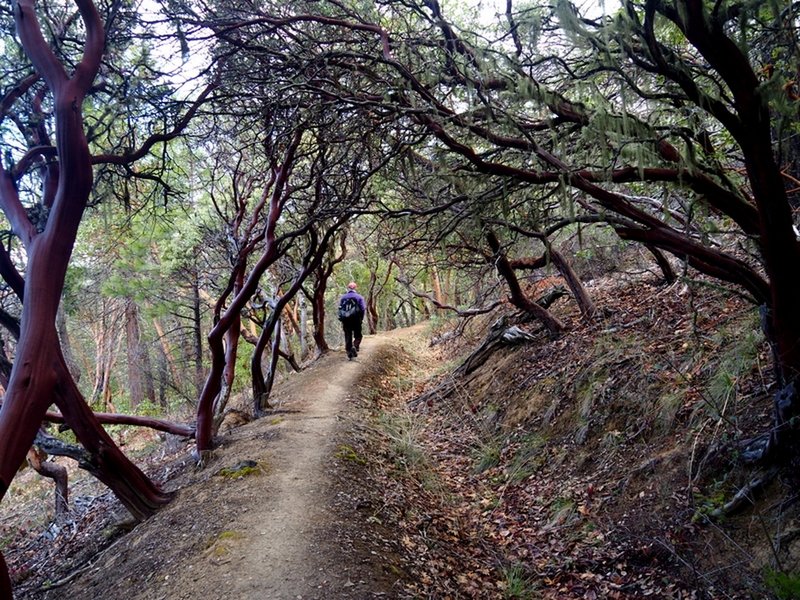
<point x="241" y="469"/>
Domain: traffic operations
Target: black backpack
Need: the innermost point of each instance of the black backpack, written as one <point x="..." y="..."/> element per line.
<point x="348" y="308"/>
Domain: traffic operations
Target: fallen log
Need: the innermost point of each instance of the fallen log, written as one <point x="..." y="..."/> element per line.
<point x="501" y="335"/>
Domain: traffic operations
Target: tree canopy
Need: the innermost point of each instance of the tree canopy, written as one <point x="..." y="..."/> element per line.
<point x="205" y="171"/>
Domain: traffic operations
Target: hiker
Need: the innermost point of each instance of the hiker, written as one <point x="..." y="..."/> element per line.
<point x="351" y="312"/>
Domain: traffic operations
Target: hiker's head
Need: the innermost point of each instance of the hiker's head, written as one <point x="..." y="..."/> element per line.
<point x="352" y="285"/>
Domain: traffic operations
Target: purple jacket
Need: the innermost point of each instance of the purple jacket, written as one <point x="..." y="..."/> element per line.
<point x="359" y="298"/>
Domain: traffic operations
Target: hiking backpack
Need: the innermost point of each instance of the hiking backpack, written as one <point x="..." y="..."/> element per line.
<point x="348" y="308"/>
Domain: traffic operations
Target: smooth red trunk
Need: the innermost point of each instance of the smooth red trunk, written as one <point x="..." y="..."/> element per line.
<point x="318" y="314"/>
<point x="213" y="384"/>
<point x="516" y="295"/>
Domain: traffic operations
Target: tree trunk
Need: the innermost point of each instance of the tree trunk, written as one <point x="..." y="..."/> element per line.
<point x="197" y="324"/>
<point x="66" y="346"/>
<point x="437" y="284"/>
<point x="270" y="253"/>
<point x="40" y="374"/>
<point x="312" y="259"/>
<point x="107" y="345"/>
<point x="177" y="380"/>
<point x="426" y="311"/>
<point x="372" y="311"/>
<point x="231" y="352"/>
<point x="303" y="327"/>
<point x="5" y="366"/>
<point x="269" y="381"/>
<point x="108" y="464"/>
<point x="140" y="376"/>
<point x="666" y="269"/>
<point x="587" y="307"/>
<point x="273" y="328"/>
<point x="318" y="315"/>
<point x="409" y="313"/>
<point x="228" y="374"/>
<point x="323" y="274"/>
<point x="517" y="296"/>
<point x="372" y="315"/>
<point x="291" y="317"/>
<point x="213" y="382"/>
<point x="373" y="293"/>
<point x="258" y="383"/>
<point x="37" y="459"/>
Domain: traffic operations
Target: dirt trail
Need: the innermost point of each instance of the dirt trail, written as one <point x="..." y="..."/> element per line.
<point x="286" y="536"/>
<point x="291" y="531"/>
<point x="282" y="551"/>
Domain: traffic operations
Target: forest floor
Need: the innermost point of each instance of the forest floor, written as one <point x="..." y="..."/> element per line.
<point x="271" y="515"/>
<point x="582" y="467"/>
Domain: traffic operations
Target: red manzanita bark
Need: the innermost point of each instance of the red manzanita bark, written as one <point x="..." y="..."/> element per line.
<point x="516" y="296"/>
<point x="35" y="376"/>
<point x="271" y="253"/>
<point x="40" y="375"/>
<point x="323" y="275"/>
<point x="33" y="380"/>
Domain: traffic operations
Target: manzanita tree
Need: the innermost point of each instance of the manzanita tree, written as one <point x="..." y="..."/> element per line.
<point x="668" y="119"/>
<point x="46" y="222"/>
<point x="40" y="374"/>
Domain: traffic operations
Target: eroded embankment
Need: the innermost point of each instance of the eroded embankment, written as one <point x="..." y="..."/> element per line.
<point x="580" y="467"/>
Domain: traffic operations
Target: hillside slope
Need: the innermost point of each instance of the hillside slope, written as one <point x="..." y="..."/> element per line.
<point x="269" y="517"/>
<point x="600" y="464"/>
<point x="593" y="465"/>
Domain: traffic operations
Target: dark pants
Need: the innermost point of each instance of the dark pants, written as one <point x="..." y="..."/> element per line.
<point x="352" y="335"/>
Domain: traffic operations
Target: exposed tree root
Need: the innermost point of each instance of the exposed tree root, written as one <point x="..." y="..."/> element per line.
<point x="746" y="496"/>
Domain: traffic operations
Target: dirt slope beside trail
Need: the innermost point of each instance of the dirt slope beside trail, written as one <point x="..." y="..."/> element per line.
<point x="282" y="530"/>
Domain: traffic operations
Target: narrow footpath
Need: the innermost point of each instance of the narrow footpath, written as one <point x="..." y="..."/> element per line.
<point x="281" y="525"/>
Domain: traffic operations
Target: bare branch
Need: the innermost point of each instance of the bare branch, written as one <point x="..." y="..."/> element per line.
<point x="36" y="47"/>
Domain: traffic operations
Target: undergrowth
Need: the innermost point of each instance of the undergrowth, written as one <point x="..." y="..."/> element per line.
<point x="598" y="446"/>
